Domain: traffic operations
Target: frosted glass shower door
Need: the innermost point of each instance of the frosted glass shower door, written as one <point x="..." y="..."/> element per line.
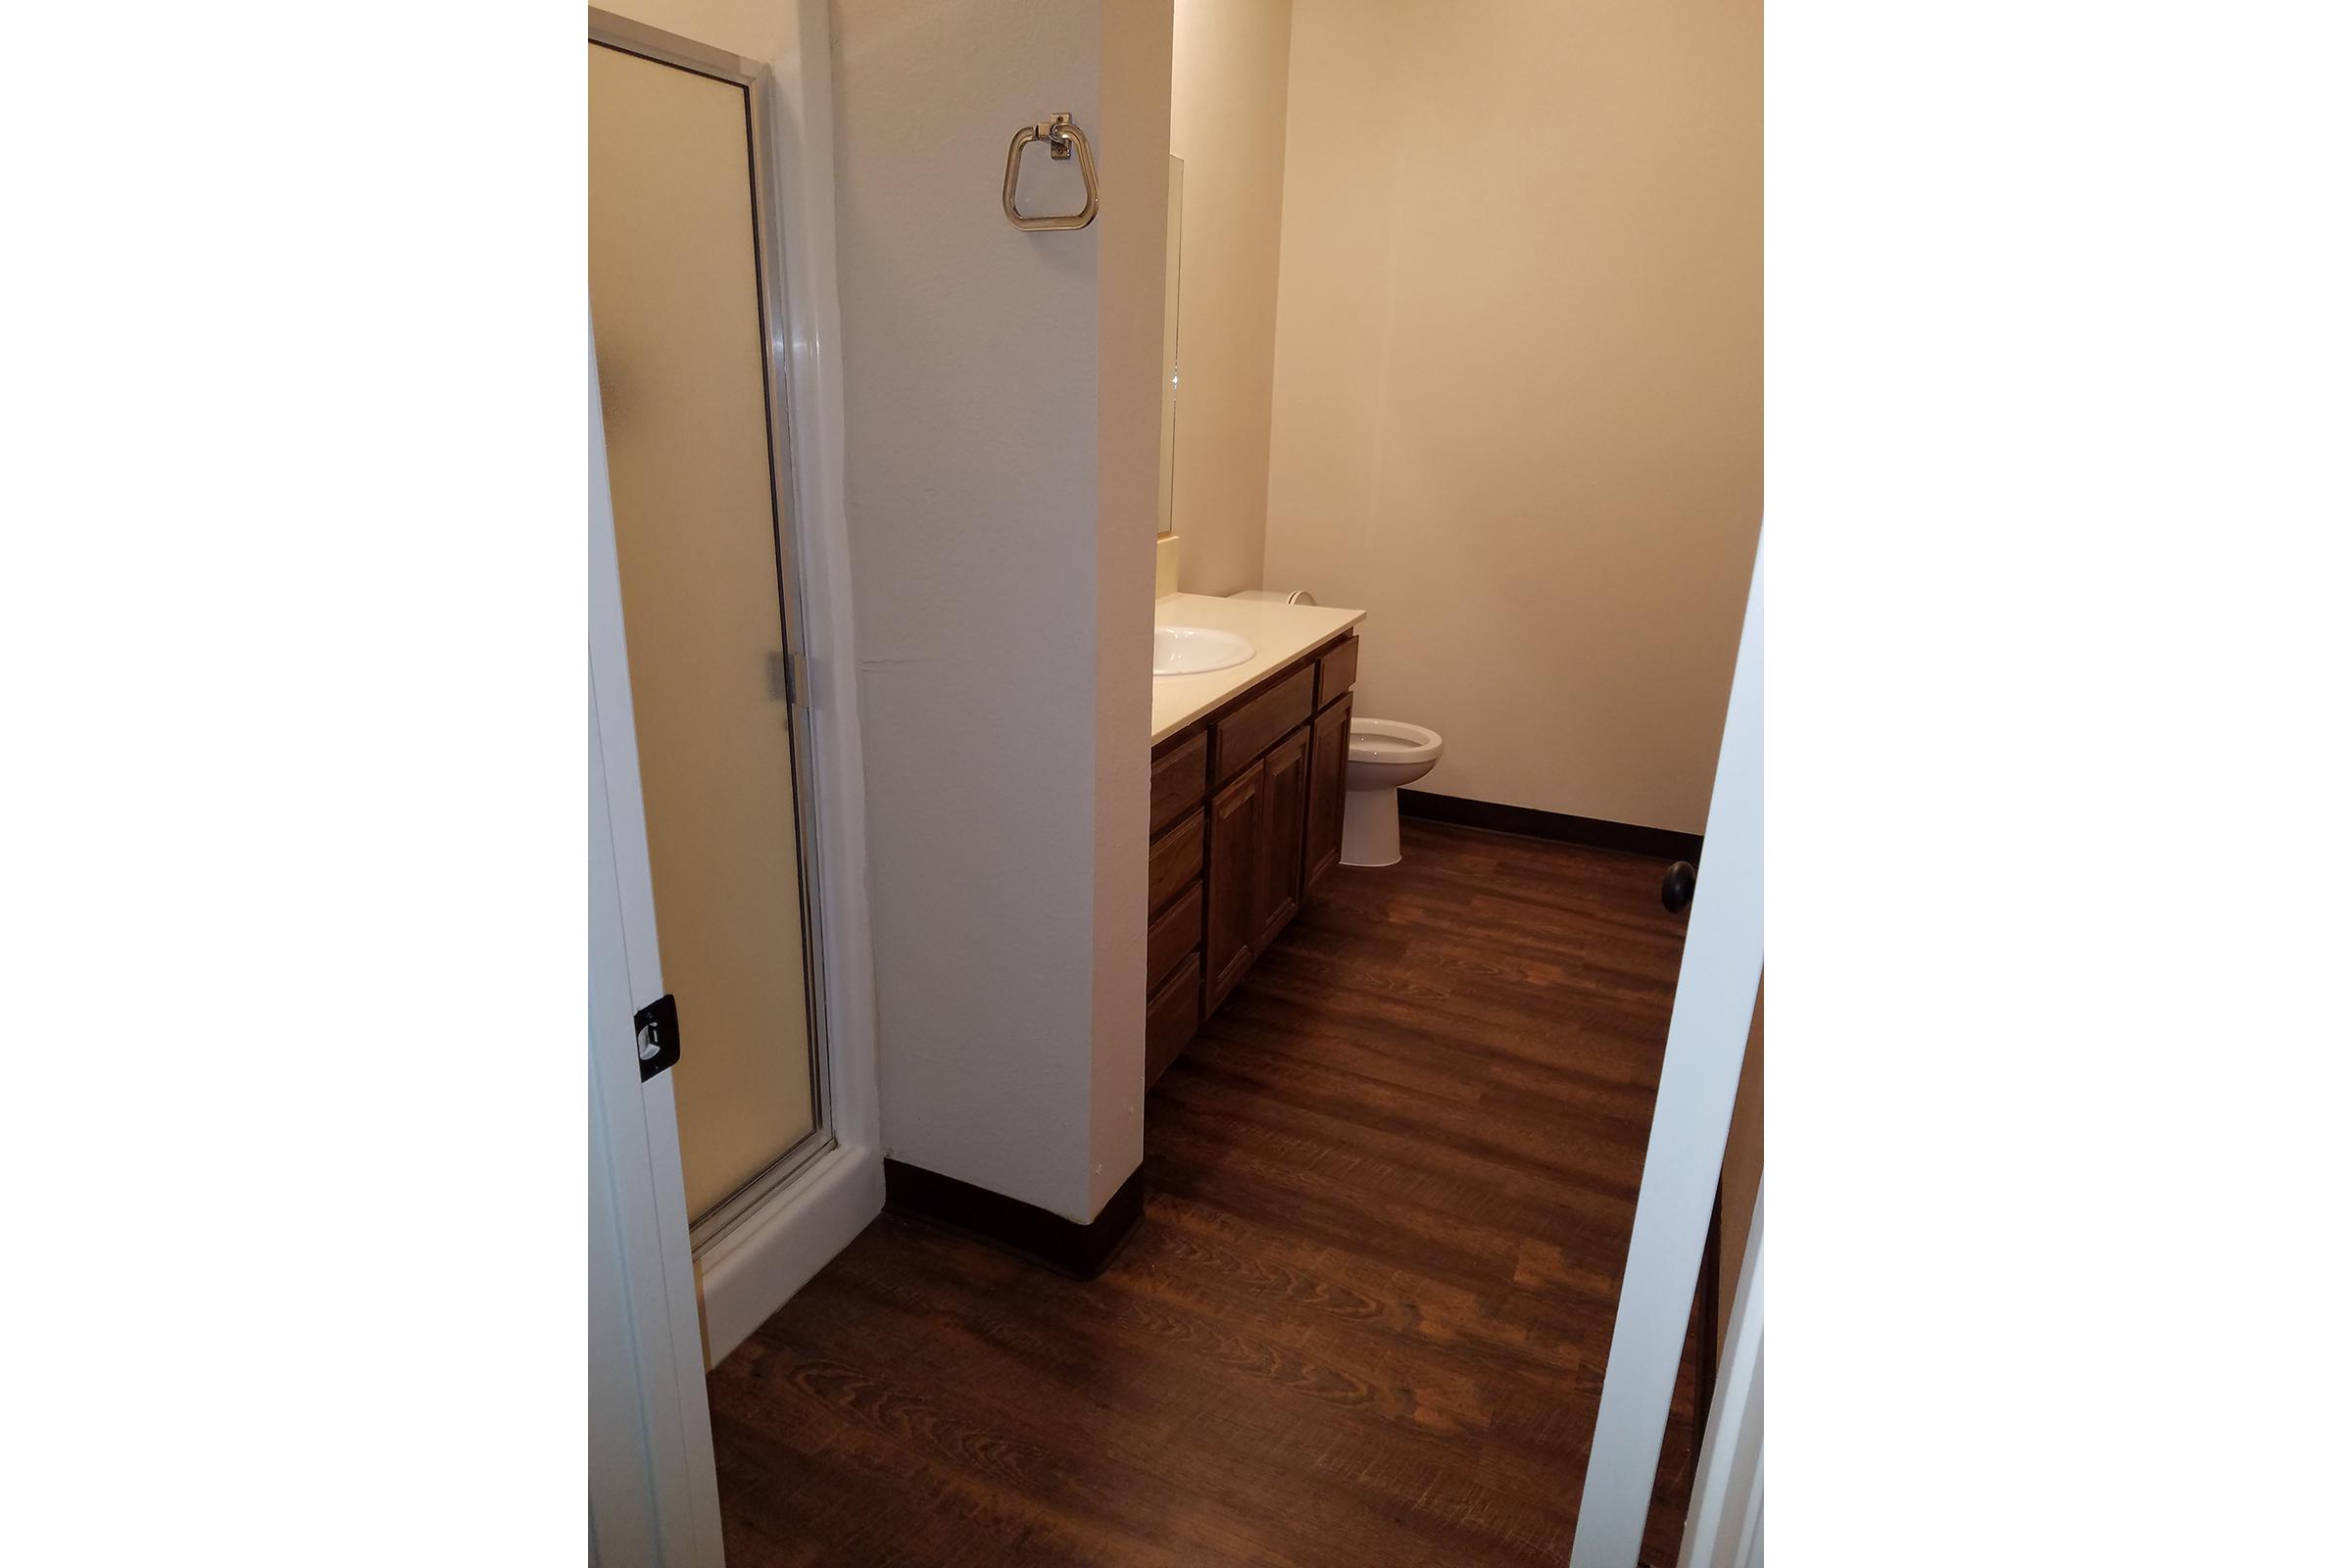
<point x="675" y="291"/>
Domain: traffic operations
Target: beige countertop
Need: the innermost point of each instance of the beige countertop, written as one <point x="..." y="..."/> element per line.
<point x="1280" y="632"/>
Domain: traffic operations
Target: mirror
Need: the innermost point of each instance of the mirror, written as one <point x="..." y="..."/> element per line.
<point x="1168" y="350"/>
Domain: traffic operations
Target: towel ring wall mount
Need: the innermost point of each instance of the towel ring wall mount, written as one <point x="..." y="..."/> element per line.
<point x="1061" y="137"/>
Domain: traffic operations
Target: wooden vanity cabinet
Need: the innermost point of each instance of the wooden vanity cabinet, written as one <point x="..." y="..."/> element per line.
<point x="1246" y="805"/>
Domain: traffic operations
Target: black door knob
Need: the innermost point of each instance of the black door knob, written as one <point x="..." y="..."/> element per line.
<point x="1681" y="881"/>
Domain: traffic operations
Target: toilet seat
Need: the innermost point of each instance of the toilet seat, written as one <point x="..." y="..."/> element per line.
<point x="1389" y="740"/>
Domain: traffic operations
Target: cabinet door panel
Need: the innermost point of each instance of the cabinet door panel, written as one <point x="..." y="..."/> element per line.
<point x="1282" y="836"/>
<point x="1326" y="791"/>
<point x="1234" y="826"/>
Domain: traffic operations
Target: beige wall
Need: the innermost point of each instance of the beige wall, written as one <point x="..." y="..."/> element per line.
<point x="1517" y="408"/>
<point x="1226" y="121"/>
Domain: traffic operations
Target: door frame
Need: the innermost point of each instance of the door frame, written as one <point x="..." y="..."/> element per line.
<point x="762" y="1246"/>
<point x="1706" y="1040"/>
<point x="1726" y="1524"/>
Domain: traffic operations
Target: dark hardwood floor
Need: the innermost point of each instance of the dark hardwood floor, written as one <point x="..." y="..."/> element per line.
<point x="1365" y="1317"/>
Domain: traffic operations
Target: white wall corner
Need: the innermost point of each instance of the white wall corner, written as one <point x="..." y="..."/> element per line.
<point x="1163" y="565"/>
<point x="1132" y="293"/>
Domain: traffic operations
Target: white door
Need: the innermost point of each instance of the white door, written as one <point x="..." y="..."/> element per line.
<point x="653" y="1488"/>
<point x="1714" y="1002"/>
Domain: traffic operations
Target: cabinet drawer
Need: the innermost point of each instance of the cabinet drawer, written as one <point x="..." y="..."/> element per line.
<point x="1170" y="1018"/>
<point x="1335" y="673"/>
<point x="1175" y="860"/>
<point x="1174" y="934"/>
<point x="1179" y="779"/>
<point x="1258" y="723"/>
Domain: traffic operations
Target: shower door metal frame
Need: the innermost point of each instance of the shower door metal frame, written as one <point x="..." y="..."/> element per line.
<point x="755" y="81"/>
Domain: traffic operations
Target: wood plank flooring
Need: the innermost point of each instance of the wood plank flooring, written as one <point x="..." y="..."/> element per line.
<point x="1365" y="1318"/>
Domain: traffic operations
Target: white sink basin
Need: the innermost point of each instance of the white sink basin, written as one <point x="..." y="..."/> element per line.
<point x="1197" y="650"/>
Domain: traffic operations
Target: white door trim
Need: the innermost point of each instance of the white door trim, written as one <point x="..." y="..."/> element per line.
<point x="1726" y="1526"/>
<point x="761" y="1259"/>
<point x="1714" y="1001"/>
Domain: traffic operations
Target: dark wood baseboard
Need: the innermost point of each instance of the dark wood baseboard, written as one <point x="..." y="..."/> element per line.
<point x="1037" y="1234"/>
<point x="1593" y="833"/>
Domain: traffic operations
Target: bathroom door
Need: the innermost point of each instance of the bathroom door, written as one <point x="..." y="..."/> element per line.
<point x="652" y="1479"/>
<point x="683" y="304"/>
<point x="1715" y="998"/>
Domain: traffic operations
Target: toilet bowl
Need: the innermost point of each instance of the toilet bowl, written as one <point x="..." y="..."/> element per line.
<point x="1382" y="753"/>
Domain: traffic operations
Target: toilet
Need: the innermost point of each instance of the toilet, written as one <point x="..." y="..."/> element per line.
<point x="1382" y="753"/>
